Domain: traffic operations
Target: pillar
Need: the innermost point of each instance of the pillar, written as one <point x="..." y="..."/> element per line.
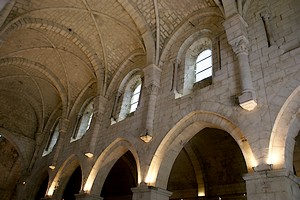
<point x="152" y="83"/>
<point x="85" y="196"/>
<point x="272" y="184"/>
<point x="236" y="32"/>
<point x="144" y="192"/>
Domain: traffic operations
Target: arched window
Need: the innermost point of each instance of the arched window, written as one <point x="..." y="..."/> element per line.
<point x="128" y="96"/>
<point x="52" y="139"/>
<point x="198" y="63"/>
<point x="203" y="66"/>
<point x="84" y="120"/>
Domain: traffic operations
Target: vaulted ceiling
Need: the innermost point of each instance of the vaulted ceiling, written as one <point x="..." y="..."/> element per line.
<point x="54" y="51"/>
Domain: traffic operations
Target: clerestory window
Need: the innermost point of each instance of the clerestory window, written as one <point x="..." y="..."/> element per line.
<point x="84" y="120"/>
<point x="198" y="70"/>
<point x="128" y="96"/>
<point x="52" y="139"/>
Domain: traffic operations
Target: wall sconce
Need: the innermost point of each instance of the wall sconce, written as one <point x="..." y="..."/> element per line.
<point x="52" y="167"/>
<point x="89" y="154"/>
<point x="146" y="137"/>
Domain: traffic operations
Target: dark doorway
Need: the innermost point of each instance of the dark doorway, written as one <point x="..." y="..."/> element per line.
<point x="296" y="156"/>
<point x="210" y="166"/>
<point x="121" y="178"/>
<point x="43" y="188"/>
<point x="73" y="185"/>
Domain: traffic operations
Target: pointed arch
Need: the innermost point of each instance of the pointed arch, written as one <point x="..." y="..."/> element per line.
<point x="285" y="129"/>
<point x="62" y="176"/>
<point x="181" y="133"/>
<point x="105" y="162"/>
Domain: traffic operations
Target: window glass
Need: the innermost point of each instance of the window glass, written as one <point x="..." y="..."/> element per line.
<point x="135" y="98"/>
<point x="54" y="137"/>
<point x="131" y="92"/>
<point x="83" y="121"/>
<point x="52" y="140"/>
<point x="203" y="68"/>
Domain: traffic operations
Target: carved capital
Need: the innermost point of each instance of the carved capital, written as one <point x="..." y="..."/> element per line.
<point x="152" y="89"/>
<point x="240" y="45"/>
<point x="266" y="15"/>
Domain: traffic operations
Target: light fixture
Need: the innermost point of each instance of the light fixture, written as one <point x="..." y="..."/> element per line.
<point x="89" y="154"/>
<point x="52" y="167"/>
<point x="146" y="137"/>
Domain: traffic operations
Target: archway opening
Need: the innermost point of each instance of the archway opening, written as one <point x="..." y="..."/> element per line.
<point x="122" y="177"/>
<point x="296" y="156"/>
<point x="73" y="185"/>
<point x="43" y="188"/>
<point x="210" y="166"/>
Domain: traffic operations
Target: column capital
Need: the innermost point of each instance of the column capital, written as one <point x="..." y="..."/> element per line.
<point x="152" y="89"/>
<point x="240" y="45"/>
<point x="236" y="31"/>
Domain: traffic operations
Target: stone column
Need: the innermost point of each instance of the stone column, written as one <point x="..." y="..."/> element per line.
<point x="236" y="32"/>
<point x="144" y="192"/>
<point x="152" y="83"/>
<point x="85" y="196"/>
<point x="46" y="198"/>
<point x="272" y="184"/>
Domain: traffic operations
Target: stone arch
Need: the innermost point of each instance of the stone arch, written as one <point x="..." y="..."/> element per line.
<point x="120" y="73"/>
<point x="286" y="127"/>
<point x="181" y="133"/>
<point x="184" y="29"/>
<point x="123" y="95"/>
<point x="105" y="162"/>
<point x="62" y="176"/>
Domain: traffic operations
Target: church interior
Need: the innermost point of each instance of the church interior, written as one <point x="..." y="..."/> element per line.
<point x="150" y="99"/>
